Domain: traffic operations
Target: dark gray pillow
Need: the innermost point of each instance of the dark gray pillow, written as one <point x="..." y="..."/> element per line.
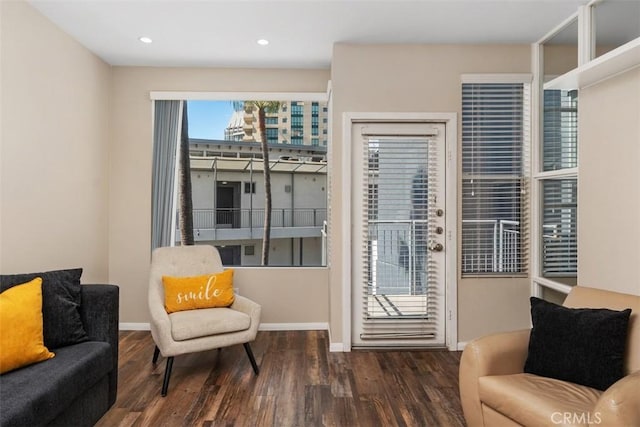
<point x="581" y="345"/>
<point x="62" y="324"/>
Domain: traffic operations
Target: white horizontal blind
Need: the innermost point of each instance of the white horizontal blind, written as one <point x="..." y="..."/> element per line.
<point x="559" y="227"/>
<point x="495" y="135"/>
<point x="399" y="274"/>
<point x="560" y="129"/>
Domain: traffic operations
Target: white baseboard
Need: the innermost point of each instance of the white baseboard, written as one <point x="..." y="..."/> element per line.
<point x="336" y="347"/>
<point x="135" y="327"/>
<point x="263" y="326"/>
<point x="320" y="326"/>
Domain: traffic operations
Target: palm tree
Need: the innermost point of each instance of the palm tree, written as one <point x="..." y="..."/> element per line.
<point x="186" y="203"/>
<point x="264" y="107"/>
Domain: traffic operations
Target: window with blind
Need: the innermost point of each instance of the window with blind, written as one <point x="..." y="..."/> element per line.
<point x="559" y="227"/>
<point x="495" y="138"/>
<point x="559" y="247"/>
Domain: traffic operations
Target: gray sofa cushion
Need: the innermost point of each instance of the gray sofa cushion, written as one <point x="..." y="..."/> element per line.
<point x="61" y="300"/>
<point x="34" y="395"/>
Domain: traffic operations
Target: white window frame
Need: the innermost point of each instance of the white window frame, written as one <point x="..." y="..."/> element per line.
<point x="589" y="71"/>
<point x="538" y="282"/>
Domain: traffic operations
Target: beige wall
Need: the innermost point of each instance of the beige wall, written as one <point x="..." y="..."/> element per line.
<point x="609" y="184"/>
<point x="53" y="150"/>
<point x="420" y="78"/>
<point x="287" y="295"/>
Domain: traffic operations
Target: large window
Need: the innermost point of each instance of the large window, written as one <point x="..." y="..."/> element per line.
<point x="228" y="187"/>
<point x="495" y="140"/>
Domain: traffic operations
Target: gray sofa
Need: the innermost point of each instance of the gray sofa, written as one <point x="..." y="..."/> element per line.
<point x="79" y="384"/>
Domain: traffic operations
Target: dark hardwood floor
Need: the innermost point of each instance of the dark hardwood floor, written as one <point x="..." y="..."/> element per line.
<point x="300" y="384"/>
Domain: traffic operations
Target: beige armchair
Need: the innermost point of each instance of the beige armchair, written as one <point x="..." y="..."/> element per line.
<point x="192" y="331"/>
<point x="495" y="392"/>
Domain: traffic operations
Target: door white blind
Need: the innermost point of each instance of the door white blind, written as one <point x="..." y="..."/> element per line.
<point x="559" y="227"/>
<point x="560" y="129"/>
<point x="399" y="275"/>
<point x="495" y="135"/>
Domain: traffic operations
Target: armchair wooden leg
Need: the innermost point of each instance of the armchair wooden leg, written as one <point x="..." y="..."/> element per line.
<point x="167" y="375"/>
<point x="156" y="353"/>
<point x="252" y="359"/>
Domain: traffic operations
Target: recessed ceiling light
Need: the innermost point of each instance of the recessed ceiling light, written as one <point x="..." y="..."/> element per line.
<point x="263" y="42"/>
<point x="145" y="40"/>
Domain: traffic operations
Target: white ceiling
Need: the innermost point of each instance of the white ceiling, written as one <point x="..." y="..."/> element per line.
<point x="223" y="33"/>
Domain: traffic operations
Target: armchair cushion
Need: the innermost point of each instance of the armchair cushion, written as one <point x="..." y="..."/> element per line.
<point x="190" y="324"/>
<point x="582" y="345"/>
<point x="535" y="400"/>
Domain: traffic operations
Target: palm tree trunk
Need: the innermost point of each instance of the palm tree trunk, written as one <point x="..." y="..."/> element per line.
<point x="186" y="202"/>
<point x="266" y="238"/>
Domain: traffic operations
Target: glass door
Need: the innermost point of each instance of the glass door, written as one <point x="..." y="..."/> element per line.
<point x="399" y="234"/>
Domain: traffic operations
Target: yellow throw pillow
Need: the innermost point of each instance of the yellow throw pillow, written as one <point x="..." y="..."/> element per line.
<point x="190" y="293"/>
<point x="21" y="339"/>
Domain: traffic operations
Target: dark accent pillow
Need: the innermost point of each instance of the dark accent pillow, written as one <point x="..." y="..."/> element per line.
<point x="581" y="345"/>
<point x="62" y="324"/>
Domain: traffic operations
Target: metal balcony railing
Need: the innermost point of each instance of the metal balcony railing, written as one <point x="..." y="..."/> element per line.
<point x="397" y="257"/>
<point x="491" y="246"/>
<point x="254" y="218"/>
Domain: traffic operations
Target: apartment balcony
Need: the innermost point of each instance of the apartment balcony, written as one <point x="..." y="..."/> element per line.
<point x="247" y="224"/>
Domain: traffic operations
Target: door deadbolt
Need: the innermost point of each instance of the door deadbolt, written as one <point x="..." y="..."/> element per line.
<point x="436" y="247"/>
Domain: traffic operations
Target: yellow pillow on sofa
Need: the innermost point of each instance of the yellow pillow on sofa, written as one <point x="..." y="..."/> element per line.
<point x="21" y="338"/>
<point x="207" y="291"/>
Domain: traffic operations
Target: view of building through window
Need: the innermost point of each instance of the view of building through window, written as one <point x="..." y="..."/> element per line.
<point x="228" y="189"/>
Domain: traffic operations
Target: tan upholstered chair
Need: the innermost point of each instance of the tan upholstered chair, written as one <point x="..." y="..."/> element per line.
<point x="495" y="392"/>
<point x="192" y="331"/>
